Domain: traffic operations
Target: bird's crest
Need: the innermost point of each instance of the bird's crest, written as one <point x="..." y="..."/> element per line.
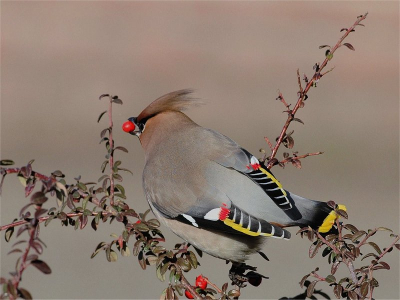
<point x="174" y="101"/>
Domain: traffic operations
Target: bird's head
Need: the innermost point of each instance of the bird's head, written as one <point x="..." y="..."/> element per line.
<point x="176" y="102"/>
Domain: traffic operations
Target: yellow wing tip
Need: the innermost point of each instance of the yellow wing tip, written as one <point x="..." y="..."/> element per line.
<point x="331" y="219"/>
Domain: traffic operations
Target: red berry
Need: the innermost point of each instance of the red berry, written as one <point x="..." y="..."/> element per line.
<point x="188" y="295"/>
<point x="201" y="282"/>
<point x="128" y="126"/>
<point x="138" y="222"/>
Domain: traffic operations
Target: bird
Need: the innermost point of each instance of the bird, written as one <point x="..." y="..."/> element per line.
<point x="209" y="190"/>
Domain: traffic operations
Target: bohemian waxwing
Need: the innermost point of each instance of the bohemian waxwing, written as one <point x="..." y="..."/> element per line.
<point x="210" y="191"/>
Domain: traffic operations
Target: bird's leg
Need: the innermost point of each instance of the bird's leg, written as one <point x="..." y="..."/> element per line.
<point x="240" y="279"/>
<point x="236" y="274"/>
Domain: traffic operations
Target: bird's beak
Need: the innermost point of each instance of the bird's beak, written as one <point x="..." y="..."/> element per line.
<point x="132" y="127"/>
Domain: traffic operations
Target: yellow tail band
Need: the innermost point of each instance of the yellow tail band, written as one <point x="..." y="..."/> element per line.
<point x="330" y="219"/>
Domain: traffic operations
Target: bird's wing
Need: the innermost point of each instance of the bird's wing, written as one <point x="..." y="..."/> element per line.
<point x="208" y="208"/>
<point x="230" y="155"/>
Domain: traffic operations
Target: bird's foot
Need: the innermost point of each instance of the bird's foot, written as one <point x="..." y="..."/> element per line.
<point x="240" y="279"/>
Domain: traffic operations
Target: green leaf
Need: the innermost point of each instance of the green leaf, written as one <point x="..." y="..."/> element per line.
<point x="376" y="247"/>
<point x="6" y="162"/>
<point x="164" y="269"/>
<point x="314" y="249"/>
<point x="350" y="46"/>
<point x="330" y="279"/>
<point x="81" y="186"/>
<point x="117" y="101"/>
<point x="141" y="259"/>
<point x="234" y="293"/>
<point x="172" y="275"/>
<point x="121" y="148"/>
<point x="101" y="115"/>
<point x="385" y="265"/>
<point x="350" y="227"/>
<point x="41" y="266"/>
<point x="112" y="256"/>
<point x="151" y="260"/>
<point x="38" y="198"/>
<point x="25" y="294"/>
<point x="310" y="288"/>
<point x="103" y="166"/>
<point x="120" y="188"/>
<point x="153" y="223"/>
<point x="364" y="288"/>
<point x="117" y="177"/>
<point x="384" y="229"/>
<point x="368" y="255"/>
<point x="193" y="259"/>
<point x="160" y="276"/>
<point x="326" y="251"/>
<point x="357" y="235"/>
<point x="98" y="249"/>
<point x="126" y="170"/>
<point x="22" y="179"/>
<point x="51" y="217"/>
<point x="125" y="251"/>
<point x="184" y="264"/>
<point x="11" y="290"/>
<point x="337" y="290"/>
<point x="103" y="95"/>
<point x="303" y="280"/>
<point x="9" y="233"/>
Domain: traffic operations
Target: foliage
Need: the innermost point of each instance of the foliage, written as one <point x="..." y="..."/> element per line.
<point x="79" y="203"/>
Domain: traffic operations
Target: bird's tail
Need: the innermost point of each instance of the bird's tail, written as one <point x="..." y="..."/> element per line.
<point x="316" y="214"/>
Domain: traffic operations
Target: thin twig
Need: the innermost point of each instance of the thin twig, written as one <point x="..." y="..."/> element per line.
<point x="23" y="264"/>
<point x="43" y="219"/>
<point x="213" y="285"/>
<point x="316" y="77"/>
<point x="289" y="159"/>
<point x="111" y="157"/>
<point x="269" y="143"/>
<point x="333" y="247"/>
<point x="35" y="174"/>
<point x="327" y="71"/>
<point x="186" y="284"/>
<point x="299" y="81"/>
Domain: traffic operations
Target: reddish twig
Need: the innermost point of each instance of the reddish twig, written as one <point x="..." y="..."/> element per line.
<point x="280" y="98"/>
<point x="23" y="264"/>
<point x="289" y="159"/>
<point x="315" y="78"/>
<point x="186" y="284"/>
<point x="111" y="157"/>
<point x="315" y="275"/>
<point x="269" y="143"/>
<point x="35" y="174"/>
<point x="299" y="82"/>
<point x="213" y="285"/>
<point x="333" y="247"/>
<point x="43" y="219"/>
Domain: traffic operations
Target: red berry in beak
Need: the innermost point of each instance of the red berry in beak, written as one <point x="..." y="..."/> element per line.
<point x="128" y="126"/>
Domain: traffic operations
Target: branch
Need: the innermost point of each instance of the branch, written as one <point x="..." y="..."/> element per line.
<point x="23" y="264"/>
<point x="302" y="94"/>
<point x="111" y="157"/>
<point x="43" y="219"/>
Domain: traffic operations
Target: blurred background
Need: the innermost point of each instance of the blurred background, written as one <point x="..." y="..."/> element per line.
<point x="58" y="57"/>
